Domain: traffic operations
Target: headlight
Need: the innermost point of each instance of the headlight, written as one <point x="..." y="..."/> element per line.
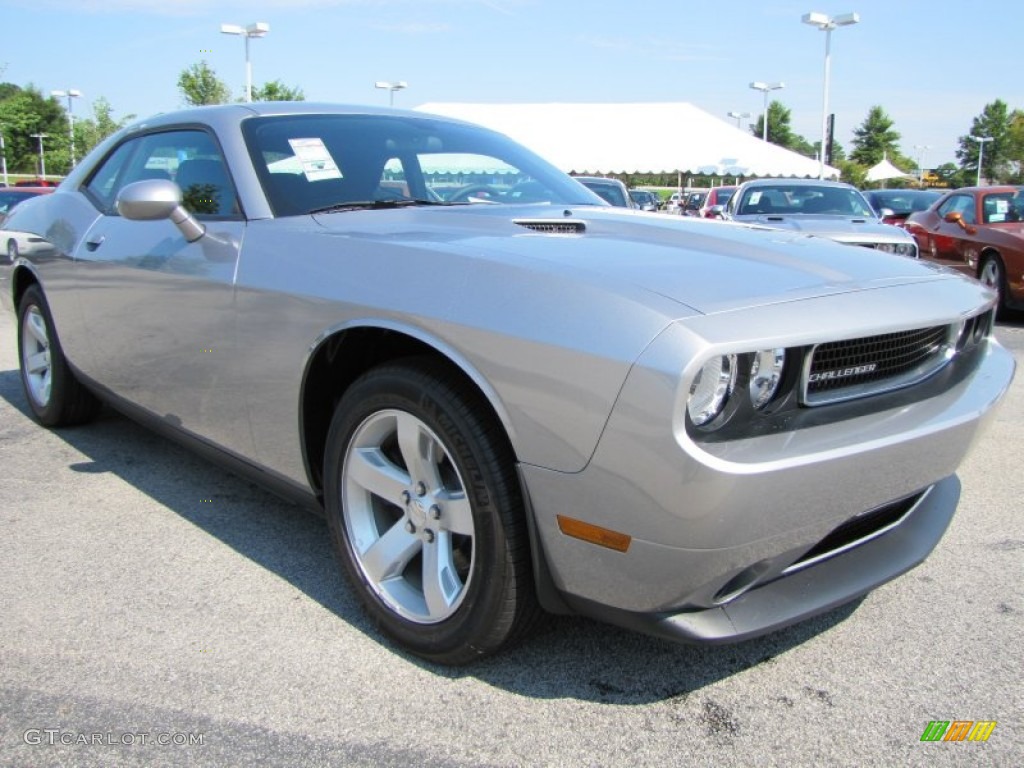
<point x="900" y="249"/>
<point x="765" y="375"/>
<point x="711" y="389"/>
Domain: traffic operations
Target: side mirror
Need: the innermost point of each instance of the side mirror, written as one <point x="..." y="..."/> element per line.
<point x="716" y="212"/>
<point x="884" y="213"/>
<point x="156" y="199"/>
<point x="955" y="217"/>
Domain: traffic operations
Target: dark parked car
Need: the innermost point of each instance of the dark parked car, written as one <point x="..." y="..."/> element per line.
<point x="978" y="231"/>
<point x="894" y="205"/>
<point x="612" y="191"/>
<point x="514" y="397"/>
<point x="644" y="199"/>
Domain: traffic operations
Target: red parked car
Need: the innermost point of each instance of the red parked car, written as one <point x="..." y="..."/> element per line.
<point x="715" y="202"/>
<point x="980" y="232"/>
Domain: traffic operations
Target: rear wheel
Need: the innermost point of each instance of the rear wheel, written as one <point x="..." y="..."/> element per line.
<point x="55" y="396"/>
<point x="426" y="514"/>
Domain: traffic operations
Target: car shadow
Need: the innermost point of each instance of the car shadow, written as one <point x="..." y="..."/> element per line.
<point x="567" y="657"/>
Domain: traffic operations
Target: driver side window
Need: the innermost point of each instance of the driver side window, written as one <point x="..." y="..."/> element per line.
<point x="190" y="158"/>
<point x="962" y="204"/>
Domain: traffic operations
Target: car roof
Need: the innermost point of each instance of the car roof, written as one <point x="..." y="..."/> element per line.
<point x="232" y="114"/>
<point x="774" y="182"/>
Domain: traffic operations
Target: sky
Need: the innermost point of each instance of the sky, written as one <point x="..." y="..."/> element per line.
<point x="930" y="67"/>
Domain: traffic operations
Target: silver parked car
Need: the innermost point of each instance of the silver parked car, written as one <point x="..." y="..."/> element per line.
<point x="504" y="395"/>
<point x="829" y="209"/>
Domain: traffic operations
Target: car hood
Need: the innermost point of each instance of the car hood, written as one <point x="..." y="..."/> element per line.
<point x="825" y="225"/>
<point x="707" y="265"/>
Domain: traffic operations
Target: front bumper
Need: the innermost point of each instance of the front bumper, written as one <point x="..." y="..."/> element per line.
<point x="787" y="599"/>
<point x="715" y="527"/>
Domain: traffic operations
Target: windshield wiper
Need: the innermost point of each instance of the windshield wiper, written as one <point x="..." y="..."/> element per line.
<point x="373" y="205"/>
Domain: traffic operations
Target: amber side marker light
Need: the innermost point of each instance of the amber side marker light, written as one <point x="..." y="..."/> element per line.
<point x="595" y="534"/>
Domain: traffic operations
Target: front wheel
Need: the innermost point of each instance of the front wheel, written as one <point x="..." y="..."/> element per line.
<point x="55" y="396"/>
<point x="992" y="274"/>
<point x="426" y="514"/>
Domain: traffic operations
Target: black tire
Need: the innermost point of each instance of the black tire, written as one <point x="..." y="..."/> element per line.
<point x="55" y="396"/>
<point x="992" y="273"/>
<point x="454" y="582"/>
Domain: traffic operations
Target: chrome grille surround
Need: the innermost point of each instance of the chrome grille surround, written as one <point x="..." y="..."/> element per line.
<point x="888" y="247"/>
<point x="844" y="370"/>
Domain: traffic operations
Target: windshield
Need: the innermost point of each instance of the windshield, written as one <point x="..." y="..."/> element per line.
<point x="901" y="201"/>
<point x="789" y="199"/>
<point x="339" y="162"/>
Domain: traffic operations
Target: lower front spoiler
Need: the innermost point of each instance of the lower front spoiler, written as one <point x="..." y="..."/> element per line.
<point x="804" y="593"/>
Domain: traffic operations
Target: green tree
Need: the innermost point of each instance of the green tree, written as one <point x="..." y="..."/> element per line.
<point x="90" y="131"/>
<point x="1016" y="146"/>
<point x="275" y="90"/>
<point x="200" y="85"/>
<point x="780" y="132"/>
<point x="994" y="125"/>
<point x="875" y="139"/>
<point x="24" y="112"/>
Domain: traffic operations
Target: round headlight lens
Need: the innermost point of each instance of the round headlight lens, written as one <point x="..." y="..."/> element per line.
<point x="765" y="375"/>
<point x="711" y="389"/>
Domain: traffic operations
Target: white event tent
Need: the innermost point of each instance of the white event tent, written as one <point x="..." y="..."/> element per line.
<point x="885" y="170"/>
<point x="634" y="138"/>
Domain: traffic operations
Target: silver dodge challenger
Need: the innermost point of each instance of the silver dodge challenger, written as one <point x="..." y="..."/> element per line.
<point x="506" y="397"/>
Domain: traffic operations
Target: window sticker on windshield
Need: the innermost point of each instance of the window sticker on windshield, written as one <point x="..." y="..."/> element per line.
<point x="755" y="198"/>
<point x="317" y="163"/>
<point x="1002" y="206"/>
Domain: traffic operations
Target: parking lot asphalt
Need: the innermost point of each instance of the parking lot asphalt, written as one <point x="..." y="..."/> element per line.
<point x="155" y="610"/>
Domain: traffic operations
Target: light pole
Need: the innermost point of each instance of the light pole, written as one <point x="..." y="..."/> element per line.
<point x="826" y="24"/>
<point x="3" y="155"/>
<point x="256" y="29"/>
<point x="42" y="157"/>
<point x="921" y="149"/>
<point x="981" y="153"/>
<point x="71" y="93"/>
<point x="765" y="88"/>
<point x="391" y="87"/>
<point x="740" y="116"/>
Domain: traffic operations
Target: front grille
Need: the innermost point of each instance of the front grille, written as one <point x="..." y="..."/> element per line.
<point x="842" y="370"/>
<point x="555" y="227"/>
<point x="858" y="530"/>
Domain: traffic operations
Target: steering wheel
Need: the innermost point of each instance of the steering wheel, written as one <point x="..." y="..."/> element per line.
<point x="482" y="191"/>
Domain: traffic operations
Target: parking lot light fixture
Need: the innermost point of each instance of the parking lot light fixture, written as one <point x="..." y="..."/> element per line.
<point x="740" y="116"/>
<point x="42" y="156"/>
<point x="826" y="24"/>
<point x="70" y="93"/>
<point x="3" y="157"/>
<point x="766" y="88"/>
<point x="921" y="149"/>
<point x="981" y="153"/>
<point x="391" y="87"/>
<point x="256" y="29"/>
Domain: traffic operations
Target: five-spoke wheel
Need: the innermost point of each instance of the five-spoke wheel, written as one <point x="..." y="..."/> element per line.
<point x="426" y="514"/>
<point x="55" y="396"/>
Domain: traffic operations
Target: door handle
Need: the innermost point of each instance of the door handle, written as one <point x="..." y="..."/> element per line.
<point x="94" y="242"/>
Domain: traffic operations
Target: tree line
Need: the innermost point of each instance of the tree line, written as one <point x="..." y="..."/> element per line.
<point x="26" y="113"/>
<point x="876" y="138"/>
